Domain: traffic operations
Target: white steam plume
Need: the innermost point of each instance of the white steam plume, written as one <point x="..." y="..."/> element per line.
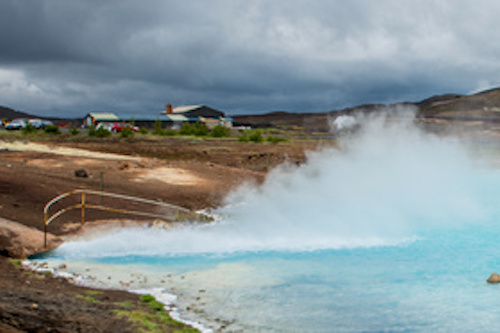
<point x="344" y="122"/>
<point x="385" y="185"/>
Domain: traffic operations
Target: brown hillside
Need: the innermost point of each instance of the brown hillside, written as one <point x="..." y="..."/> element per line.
<point x="310" y="122"/>
<point x="481" y="106"/>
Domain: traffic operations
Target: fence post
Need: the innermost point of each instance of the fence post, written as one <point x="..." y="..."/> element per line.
<point x="83" y="208"/>
<point x="45" y="230"/>
<point x="101" y="176"/>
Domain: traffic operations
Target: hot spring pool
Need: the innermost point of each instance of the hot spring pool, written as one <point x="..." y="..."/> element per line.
<point x="396" y="231"/>
<point x="434" y="283"/>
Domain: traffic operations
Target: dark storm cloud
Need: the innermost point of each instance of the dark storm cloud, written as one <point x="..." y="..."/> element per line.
<point x="61" y="57"/>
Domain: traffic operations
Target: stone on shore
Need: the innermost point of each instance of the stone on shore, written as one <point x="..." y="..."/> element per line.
<point x="494" y="278"/>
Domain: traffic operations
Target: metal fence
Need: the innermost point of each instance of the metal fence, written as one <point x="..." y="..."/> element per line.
<point x="172" y="213"/>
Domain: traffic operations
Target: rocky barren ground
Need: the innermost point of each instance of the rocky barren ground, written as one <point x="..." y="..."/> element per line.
<point x="188" y="172"/>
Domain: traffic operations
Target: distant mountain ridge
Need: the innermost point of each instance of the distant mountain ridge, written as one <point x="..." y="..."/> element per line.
<point x="481" y="106"/>
<point x="10" y="114"/>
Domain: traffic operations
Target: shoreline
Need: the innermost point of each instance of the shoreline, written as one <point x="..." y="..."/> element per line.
<point x="161" y="294"/>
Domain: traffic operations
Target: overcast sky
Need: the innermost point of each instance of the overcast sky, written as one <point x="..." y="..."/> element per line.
<point x="67" y="58"/>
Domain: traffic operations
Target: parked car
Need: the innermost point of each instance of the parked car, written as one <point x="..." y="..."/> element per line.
<point x="39" y="123"/>
<point x="104" y="125"/>
<point x="117" y="127"/>
<point x="36" y="123"/>
<point x="16" y="124"/>
<point x="46" y="123"/>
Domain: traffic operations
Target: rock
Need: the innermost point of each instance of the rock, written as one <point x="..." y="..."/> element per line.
<point x="81" y="173"/>
<point x="494" y="278"/>
<point x="63" y="266"/>
<point x="124" y="284"/>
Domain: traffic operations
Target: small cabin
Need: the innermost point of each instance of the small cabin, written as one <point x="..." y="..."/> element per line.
<point x="198" y="113"/>
<point x="96" y="117"/>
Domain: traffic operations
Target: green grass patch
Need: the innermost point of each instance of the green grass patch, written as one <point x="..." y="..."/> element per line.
<point x="156" y="306"/>
<point x="157" y="322"/>
<point x="149" y="315"/>
<point x="93" y="292"/>
<point x="152" y="302"/>
<point x="276" y="139"/>
<point x="16" y="262"/>
<point x="87" y="298"/>
<point x="147" y="298"/>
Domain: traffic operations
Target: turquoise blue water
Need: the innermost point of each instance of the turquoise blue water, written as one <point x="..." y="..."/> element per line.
<point x="434" y="283"/>
<point x="395" y="232"/>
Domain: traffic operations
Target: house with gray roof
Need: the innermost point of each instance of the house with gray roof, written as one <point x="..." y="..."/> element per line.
<point x="198" y="113"/>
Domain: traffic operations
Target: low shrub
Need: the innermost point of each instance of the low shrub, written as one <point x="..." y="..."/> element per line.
<point x="197" y="129"/>
<point x="29" y="129"/>
<point x="252" y="135"/>
<point x="52" y="129"/>
<point x="127" y="132"/>
<point x="220" y="131"/>
<point x="157" y="130"/>
<point x="169" y="132"/>
<point x="74" y="131"/>
<point x="256" y="136"/>
<point x="99" y="133"/>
